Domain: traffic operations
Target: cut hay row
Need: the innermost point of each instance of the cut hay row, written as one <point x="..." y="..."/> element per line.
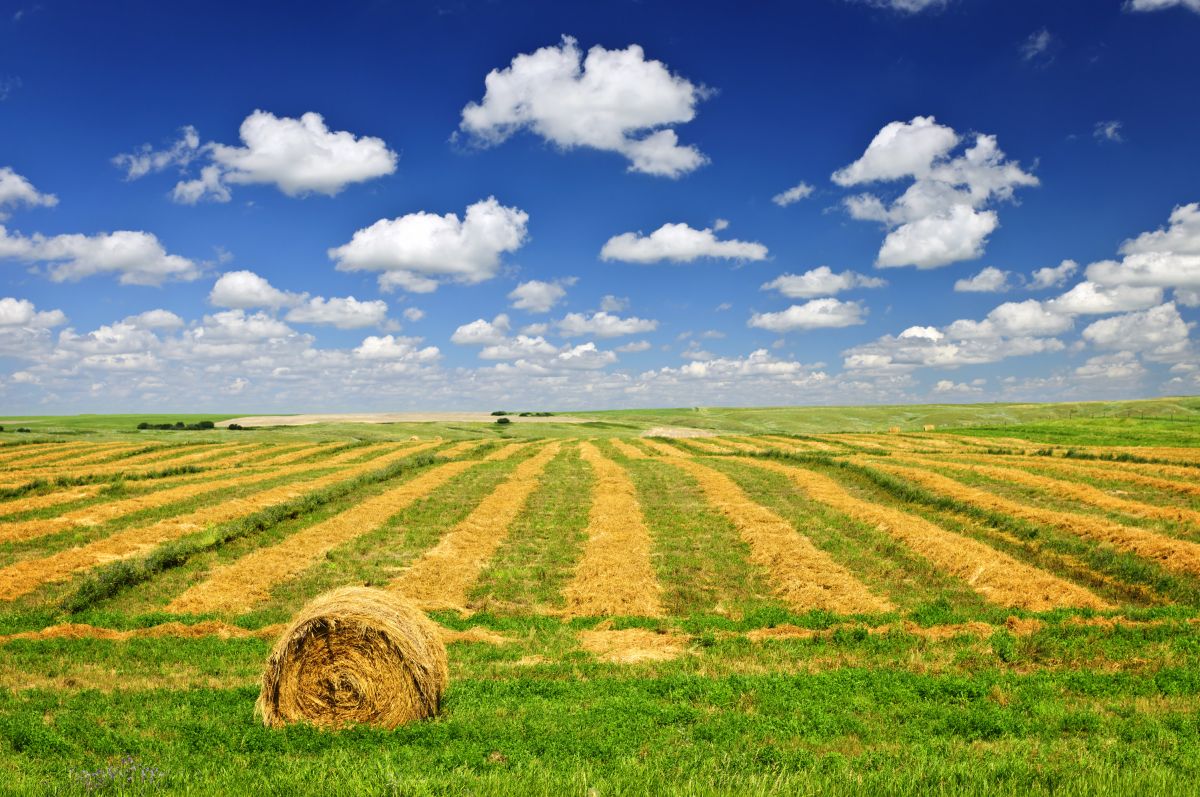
<point x="154" y="499"/>
<point x="462" y="449"/>
<point x="1179" y="474"/>
<point x="46" y="500"/>
<point x="804" y="576"/>
<point x="1108" y="473"/>
<point x="240" y="586"/>
<point x="997" y="442"/>
<point x="120" y="468"/>
<point x="507" y="452"/>
<point x="1186" y="456"/>
<point x="16" y="453"/>
<point x="59" y="453"/>
<point x="734" y="444"/>
<point x="1062" y="488"/>
<point x="661" y="448"/>
<point x="1172" y="554"/>
<point x="927" y="442"/>
<point x="295" y="455"/>
<point x="626" y="449"/>
<point x="102" y="513"/>
<point x="179" y="455"/>
<point x="706" y="445"/>
<point x="996" y="576"/>
<point x="441" y="578"/>
<point x="25" y="576"/>
<point x="797" y="444"/>
<point x="614" y="575"/>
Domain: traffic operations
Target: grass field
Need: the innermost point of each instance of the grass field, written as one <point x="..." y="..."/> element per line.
<point x="802" y="603"/>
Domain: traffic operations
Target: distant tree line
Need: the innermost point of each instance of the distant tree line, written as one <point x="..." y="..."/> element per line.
<point x="178" y="426"/>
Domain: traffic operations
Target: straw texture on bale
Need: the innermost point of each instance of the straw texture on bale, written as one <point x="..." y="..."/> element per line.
<point x="355" y="656"/>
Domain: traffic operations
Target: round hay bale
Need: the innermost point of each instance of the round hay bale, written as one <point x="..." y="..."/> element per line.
<point x="355" y="656"/>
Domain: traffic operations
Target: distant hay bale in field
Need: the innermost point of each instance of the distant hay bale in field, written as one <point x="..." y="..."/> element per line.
<point x="894" y="430"/>
<point x="929" y="427"/>
<point x="414" y="439"/>
<point x="355" y="656"/>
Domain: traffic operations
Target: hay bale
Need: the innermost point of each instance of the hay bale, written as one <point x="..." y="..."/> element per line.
<point x="929" y="427"/>
<point x="355" y="656"/>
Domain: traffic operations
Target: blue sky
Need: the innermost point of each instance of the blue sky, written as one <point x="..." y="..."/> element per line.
<point x="992" y="201"/>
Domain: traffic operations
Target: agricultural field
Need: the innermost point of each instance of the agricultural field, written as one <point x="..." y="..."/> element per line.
<point x="796" y="601"/>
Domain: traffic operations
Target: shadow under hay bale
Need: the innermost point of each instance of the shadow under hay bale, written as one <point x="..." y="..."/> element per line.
<point x="355" y="656"/>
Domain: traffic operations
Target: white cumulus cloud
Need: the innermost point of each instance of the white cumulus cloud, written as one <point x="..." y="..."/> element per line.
<point x="390" y="347"/>
<point x="15" y="190"/>
<point x="415" y="251"/>
<point x="611" y="100"/>
<point x="538" y="296"/>
<point x="817" y="314"/>
<point x="298" y="156"/>
<point x="341" y="312"/>
<point x="1159" y="332"/>
<point x="135" y="257"/>
<point x="603" y="324"/>
<point x="943" y="216"/>
<point x="1166" y="258"/>
<point x="820" y="281"/>
<point x="989" y="280"/>
<point x="1159" y="5"/>
<point x="245" y="289"/>
<point x="481" y="332"/>
<point x="678" y="243"/>
<point x="1053" y="276"/>
<point x="793" y="195"/>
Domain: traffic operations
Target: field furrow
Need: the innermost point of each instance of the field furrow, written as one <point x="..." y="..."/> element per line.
<point x="25" y="576"/>
<point x="442" y="577"/>
<point x="1172" y="554"/>
<point x="614" y="576"/>
<point x="804" y="576"/>
<point x="999" y="578"/>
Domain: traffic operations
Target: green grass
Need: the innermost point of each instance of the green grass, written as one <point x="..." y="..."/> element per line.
<point x="851" y="714"/>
